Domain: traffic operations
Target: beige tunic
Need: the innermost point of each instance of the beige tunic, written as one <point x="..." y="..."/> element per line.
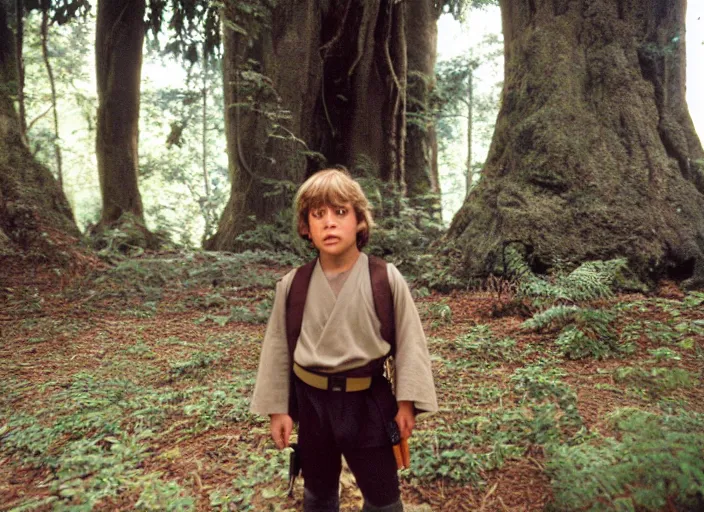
<point x="340" y="332"/>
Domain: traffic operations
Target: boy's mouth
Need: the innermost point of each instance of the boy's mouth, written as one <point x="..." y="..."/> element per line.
<point x="330" y="239"/>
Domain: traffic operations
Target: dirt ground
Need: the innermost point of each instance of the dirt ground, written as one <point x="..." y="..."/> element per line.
<point x="55" y="327"/>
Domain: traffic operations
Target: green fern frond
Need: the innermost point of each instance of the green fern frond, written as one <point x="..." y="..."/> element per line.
<point x="556" y="315"/>
<point x="653" y="460"/>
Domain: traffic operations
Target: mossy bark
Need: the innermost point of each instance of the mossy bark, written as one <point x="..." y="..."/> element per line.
<point x="338" y="72"/>
<point x="32" y="206"/>
<point x="118" y="51"/>
<point x="594" y="155"/>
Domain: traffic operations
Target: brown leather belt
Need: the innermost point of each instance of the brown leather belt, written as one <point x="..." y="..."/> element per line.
<point x="332" y="382"/>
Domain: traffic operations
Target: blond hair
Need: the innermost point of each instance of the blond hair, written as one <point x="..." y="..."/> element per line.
<point x="333" y="187"/>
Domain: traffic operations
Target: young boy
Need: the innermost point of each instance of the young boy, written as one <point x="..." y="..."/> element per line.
<point x="340" y="340"/>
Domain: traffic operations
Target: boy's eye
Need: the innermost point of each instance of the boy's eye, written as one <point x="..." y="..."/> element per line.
<point x="341" y="211"/>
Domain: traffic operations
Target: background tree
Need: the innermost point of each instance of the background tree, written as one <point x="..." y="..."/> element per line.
<point x="594" y="154"/>
<point x="119" y="41"/>
<point x="118" y="56"/>
<point x="421" y="178"/>
<point x="32" y="206"/>
<point x="461" y="97"/>
<point x="309" y="84"/>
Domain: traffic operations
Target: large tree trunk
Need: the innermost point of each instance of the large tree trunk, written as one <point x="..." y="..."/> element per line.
<point x="33" y="209"/>
<point x="288" y="59"/>
<point x="594" y="153"/>
<point x="421" y="145"/>
<point x="337" y="70"/>
<point x="118" y="51"/>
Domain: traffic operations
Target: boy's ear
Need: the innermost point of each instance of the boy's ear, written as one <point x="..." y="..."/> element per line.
<point x="361" y="226"/>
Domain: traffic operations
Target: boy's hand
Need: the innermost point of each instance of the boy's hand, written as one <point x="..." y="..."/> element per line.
<point x="281" y="427"/>
<point x="405" y="418"/>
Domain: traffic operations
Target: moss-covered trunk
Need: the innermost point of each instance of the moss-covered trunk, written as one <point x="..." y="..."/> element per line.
<point x="33" y="209"/>
<point x="118" y="50"/>
<point x="308" y="85"/>
<point x="594" y="153"/>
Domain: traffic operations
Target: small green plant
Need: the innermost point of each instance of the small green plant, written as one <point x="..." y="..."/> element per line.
<point x="591" y="280"/>
<point x="158" y="495"/>
<point x="664" y="354"/>
<point x="654" y="463"/>
<point x="266" y="474"/>
<point x="539" y="384"/>
<point x="439" y="313"/>
<point x="141" y="349"/>
<point x="479" y="343"/>
<point x="584" y="332"/>
<point x="655" y="381"/>
<point x="194" y="366"/>
<point x="443" y="454"/>
<point x="215" y="407"/>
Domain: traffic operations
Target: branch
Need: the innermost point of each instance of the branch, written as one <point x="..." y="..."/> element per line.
<point x="29" y="127"/>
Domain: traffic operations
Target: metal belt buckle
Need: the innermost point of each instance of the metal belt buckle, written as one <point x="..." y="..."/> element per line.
<point x="337" y="383"/>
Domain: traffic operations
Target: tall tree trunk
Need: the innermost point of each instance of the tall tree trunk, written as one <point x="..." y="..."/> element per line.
<point x="470" y="128"/>
<point x="594" y="153"/>
<point x="421" y="145"/>
<point x="33" y="209"/>
<point x="329" y="89"/>
<point x="204" y="142"/>
<point x="52" y="84"/>
<point x="19" y="39"/>
<point x="265" y="144"/>
<point x="118" y="50"/>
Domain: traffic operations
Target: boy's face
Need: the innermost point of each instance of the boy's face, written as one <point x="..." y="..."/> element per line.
<point x="333" y="229"/>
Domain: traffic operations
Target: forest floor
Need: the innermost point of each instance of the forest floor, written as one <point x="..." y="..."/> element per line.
<point x="127" y="387"/>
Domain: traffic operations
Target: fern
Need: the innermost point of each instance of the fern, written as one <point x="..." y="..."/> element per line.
<point x="585" y="332"/>
<point x="654" y="462"/>
<point x="590" y="281"/>
<point x="555" y="316"/>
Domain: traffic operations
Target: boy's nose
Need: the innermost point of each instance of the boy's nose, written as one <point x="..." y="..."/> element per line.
<point x="329" y="218"/>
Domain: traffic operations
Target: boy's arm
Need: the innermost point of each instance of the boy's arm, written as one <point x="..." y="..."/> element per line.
<point x="272" y="384"/>
<point x="414" y="378"/>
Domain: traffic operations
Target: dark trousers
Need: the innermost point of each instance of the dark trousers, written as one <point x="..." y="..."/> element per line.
<point x="332" y="424"/>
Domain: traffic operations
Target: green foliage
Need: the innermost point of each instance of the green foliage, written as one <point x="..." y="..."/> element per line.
<point x="476" y="74"/>
<point x="439" y="313"/>
<point x="269" y="470"/>
<point x="464" y="451"/>
<point x="444" y="454"/>
<point x="158" y="495"/>
<point x="278" y="237"/>
<point x="591" y="280"/>
<point x="224" y="405"/>
<point x="26" y="437"/>
<point x="404" y="233"/>
<point x="198" y="363"/>
<point x="584" y="332"/>
<point x="653" y="462"/>
<point x="90" y="470"/>
<point x="655" y="381"/>
<point x="480" y="344"/>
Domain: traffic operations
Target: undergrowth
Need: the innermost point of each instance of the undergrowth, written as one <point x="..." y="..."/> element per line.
<point x="653" y="462"/>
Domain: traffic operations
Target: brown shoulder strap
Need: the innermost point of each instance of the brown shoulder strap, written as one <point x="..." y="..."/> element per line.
<point x="383" y="300"/>
<point x="295" y="302"/>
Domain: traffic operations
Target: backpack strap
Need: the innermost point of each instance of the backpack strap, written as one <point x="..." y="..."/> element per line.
<point x="295" y="303"/>
<point x="383" y="300"/>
